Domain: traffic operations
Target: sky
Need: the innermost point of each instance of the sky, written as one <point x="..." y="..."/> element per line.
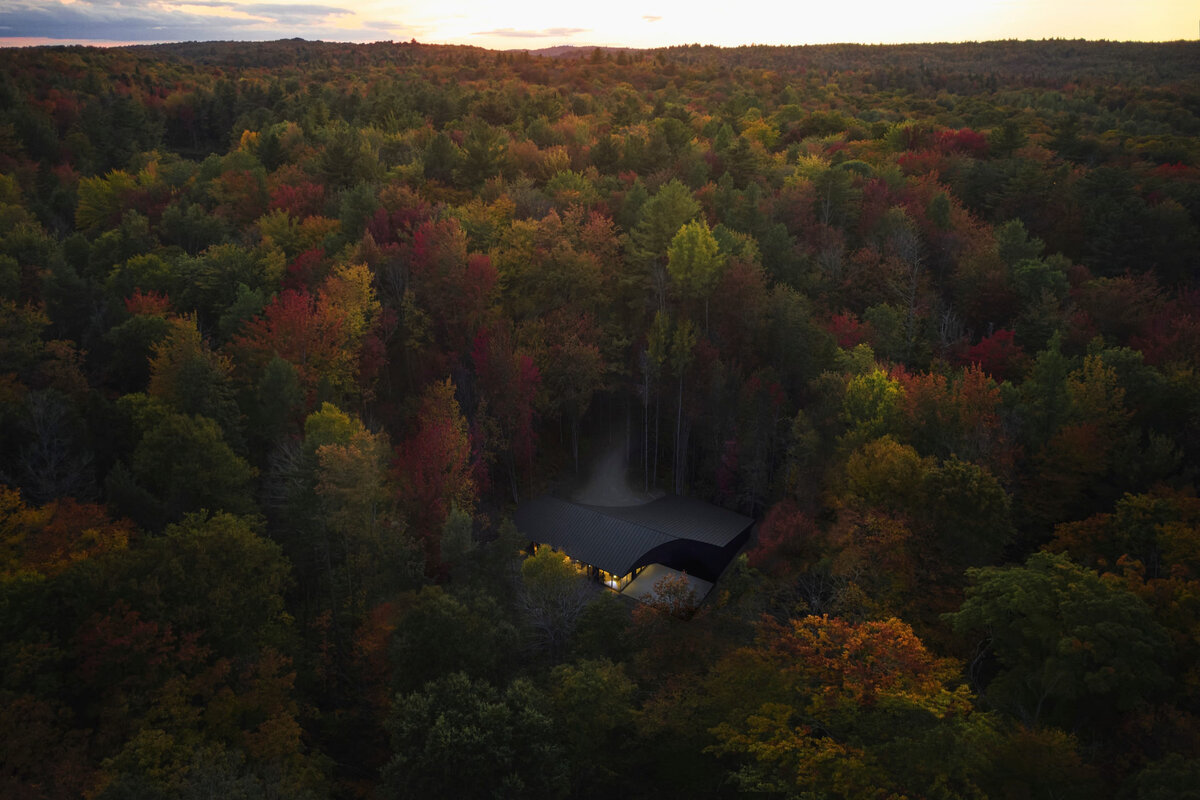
<point x="631" y="23"/>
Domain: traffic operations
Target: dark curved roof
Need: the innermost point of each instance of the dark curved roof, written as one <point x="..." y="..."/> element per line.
<point x="618" y="538"/>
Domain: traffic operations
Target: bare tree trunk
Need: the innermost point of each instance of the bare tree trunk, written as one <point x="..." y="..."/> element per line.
<point x="629" y="443"/>
<point x="657" y="416"/>
<point x="678" y="430"/>
<point x="512" y="476"/>
<point x="659" y="275"/>
<point x="575" y="442"/>
<point x="333" y="601"/>
<point x="646" y="423"/>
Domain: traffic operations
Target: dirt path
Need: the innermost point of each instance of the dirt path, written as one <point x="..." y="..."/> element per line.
<point x="606" y="484"/>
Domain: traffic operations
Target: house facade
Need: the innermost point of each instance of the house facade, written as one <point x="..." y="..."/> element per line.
<point x="614" y="544"/>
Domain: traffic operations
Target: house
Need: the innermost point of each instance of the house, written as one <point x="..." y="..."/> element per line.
<point x="617" y="545"/>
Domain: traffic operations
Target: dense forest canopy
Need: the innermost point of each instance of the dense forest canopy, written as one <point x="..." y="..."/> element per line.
<point x="287" y="329"/>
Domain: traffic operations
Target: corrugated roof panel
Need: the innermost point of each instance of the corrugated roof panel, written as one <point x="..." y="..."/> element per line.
<point x="611" y="544"/>
<point x="614" y="538"/>
<point x="683" y="518"/>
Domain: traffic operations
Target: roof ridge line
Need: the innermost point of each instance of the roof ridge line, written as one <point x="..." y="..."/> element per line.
<point x="599" y="510"/>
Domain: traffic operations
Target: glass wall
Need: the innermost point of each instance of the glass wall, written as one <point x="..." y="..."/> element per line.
<point x="614" y="582"/>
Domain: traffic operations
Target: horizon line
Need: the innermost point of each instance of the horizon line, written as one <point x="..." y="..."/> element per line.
<point x="14" y="43"/>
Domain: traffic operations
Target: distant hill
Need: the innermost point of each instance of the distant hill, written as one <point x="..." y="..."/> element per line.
<point x="1044" y="62"/>
<point x="573" y="51"/>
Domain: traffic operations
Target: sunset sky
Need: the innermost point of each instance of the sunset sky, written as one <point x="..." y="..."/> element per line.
<point x="544" y="23"/>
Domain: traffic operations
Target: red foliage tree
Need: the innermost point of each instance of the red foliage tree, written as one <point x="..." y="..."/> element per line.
<point x="432" y="467"/>
<point x="509" y="382"/>
<point x="242" y="196"/>
<point x="453" y="290"/>
<point x="306" y="270"/>
<point x="848" y="330"/>
<point x="957" y="414"/>
<point x="299" y="200"/>
<point x="997" y="355"/>
<point x="963" y="140"/>
<point x="786" y="542"/>
<point x="150" y="303"/>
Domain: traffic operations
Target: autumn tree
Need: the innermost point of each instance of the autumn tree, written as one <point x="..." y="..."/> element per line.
<point x="357" y="505"/>
<point x="432" y="467"/>
<point x="572" y="370"/>
<point x="662" y="217"/>
<point x="50" y="538"/>
<point x="319" y="335"/>
<point x="189" y="377"/>
<point x="806" y="707"/>
<point x="509" y="382"/>
<point x="694" y="263"/>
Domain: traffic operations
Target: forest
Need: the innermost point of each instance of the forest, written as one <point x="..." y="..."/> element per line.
<point x="288" y="329"/>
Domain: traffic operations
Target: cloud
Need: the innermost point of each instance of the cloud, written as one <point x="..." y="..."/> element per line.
<point x="651" y="17"/>
<point x="298" y="9"/>
<point x="301" y="13"/>
<point x="393" y="26"/>
<point x="512" y="33"/>
<point x="150" y="21"/>
<point x="277" y="12"/>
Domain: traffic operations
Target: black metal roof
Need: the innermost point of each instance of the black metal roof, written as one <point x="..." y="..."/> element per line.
<point x="616" y="538"/>
<point x="683" y="518"/>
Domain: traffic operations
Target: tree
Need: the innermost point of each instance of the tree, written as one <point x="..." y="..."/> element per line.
<point x="553" y="598"/>
<point x="969" y="512"/>
<point x="1151" y="543"/>
<point x="786" y="542"/>
<point x="886" y="474"/>
<point x="593" y="708"/>
<point x="278" y="402"/>
<point x="53" y="461"/>
<point x="438" y="633"/>
<point x="1174" y="777"/>
<point x="463" y="738"/>
<point x="433" y="467"/>
<point x="808" y="706"/>
<point x="694" y="263"/>
<point x="445" y="297"/>
<point x="1155" y="531"/>
<point x="213" y="575"/>
<point x="683" y="345"/>
<point x="957" y="414"/>
<point x="210" y="283"/>
<point x="871" y="406"/>
<point x="50" y="538"/>
<point x="102" y="198"/>
<point x="1069" y="646"/>
<point x="457" y="544"/>
<point x="190" y="378"/>
<point x="186" y="465"/>
<point x="320" y="335"/>
<point x="572" y="370"/>
<point x="662" y="217"/>
<point x="484" y="151"/>
<point x="1073" y="460"/>
<point x="358" y="509"/>
<point x="672" y="594"/>
<point x="508" y="381"/>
